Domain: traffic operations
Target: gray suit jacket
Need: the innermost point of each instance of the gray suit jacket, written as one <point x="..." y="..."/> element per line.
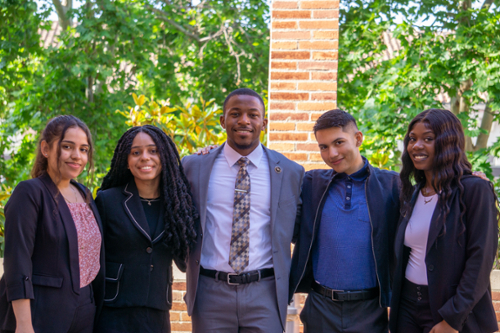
<point x="286" y="179"/>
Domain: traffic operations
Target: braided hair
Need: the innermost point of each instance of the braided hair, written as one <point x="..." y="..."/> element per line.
<point x="180" y="212"/>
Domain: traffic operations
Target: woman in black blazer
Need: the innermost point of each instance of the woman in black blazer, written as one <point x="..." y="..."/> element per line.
<point x="148" y="219"/>
<point x="446" y="241"/>
<point x="53" y="245"/>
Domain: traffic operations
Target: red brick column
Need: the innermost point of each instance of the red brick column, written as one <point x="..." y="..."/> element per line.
<point x="180" y="322"/>
<point x="303" y="75"/>
<point x="496" y="304"/>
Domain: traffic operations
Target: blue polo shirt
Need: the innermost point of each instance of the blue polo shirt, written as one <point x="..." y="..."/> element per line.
<point x="342" y="256"/>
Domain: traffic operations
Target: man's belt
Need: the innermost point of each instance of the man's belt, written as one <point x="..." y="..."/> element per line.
<point x="343" y="295"/>
<point x="236" y="279"/>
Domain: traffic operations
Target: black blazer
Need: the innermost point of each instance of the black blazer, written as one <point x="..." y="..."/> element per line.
<point x="138" y="266"/>
<point x="382" y="198"/>
<point x="41" y="257"/>
<point x="458" y="265"/>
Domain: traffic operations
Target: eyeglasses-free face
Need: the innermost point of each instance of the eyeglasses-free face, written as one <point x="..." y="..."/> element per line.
<point x="74" y="155"/>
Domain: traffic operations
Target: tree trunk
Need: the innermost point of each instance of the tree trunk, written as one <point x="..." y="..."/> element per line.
<point x="459" y="104"/>
<point x="89" y="92"/>
<point x="486" y="123"/>
<point x="62" y="12"/>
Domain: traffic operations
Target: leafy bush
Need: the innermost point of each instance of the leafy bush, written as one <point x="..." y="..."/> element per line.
<point x="4" y="196"/>
<point x="191" y="126"/>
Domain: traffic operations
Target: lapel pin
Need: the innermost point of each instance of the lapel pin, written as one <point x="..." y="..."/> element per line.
<point x="277" y="169"/>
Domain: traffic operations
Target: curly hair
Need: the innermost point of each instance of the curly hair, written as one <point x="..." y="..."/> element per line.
<point x="450" y="162"/>
<point x="180" y="212"/>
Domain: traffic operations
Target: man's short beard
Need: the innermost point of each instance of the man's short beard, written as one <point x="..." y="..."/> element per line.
<point x="243" y="147"/>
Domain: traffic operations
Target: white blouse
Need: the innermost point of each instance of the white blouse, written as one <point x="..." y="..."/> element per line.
<point x="416" y="236"/>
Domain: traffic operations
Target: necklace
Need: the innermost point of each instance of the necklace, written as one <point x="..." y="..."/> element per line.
<point x="74" y="192"/>
<point x="426" y="193"/>
<point x="149" y="201"/>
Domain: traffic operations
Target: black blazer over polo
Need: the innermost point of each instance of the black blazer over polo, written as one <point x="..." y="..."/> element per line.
<point x="382" y="197"/>
<point x="138" y="266"/>
<point x="458" y="264"/>
<point x="41" y="257"/>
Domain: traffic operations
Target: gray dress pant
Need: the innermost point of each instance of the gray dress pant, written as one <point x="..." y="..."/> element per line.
<point x="323" y="315"/>
<point x="246" y="308"/>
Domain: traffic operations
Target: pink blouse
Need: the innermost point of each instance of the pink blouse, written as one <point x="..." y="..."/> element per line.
<point x="89" y="241"/>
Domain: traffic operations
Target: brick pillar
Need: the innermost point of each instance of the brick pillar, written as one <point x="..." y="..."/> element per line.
<point x="303" y="75"/>
<point x="496" y="304"/>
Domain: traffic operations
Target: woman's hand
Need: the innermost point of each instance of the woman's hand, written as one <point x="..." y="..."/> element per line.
<point x="480" y="174"/>
<point x="443" y="327"/>
<point x="22" y="311"/>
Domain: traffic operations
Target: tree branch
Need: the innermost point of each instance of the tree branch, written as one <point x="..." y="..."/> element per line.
<point x="487" y="4"/>
<point x="236" y="56"/>
<point x="61" y="13"/>
<point x="188" y="31"/>
<point x="210" y="37"/>
<point x="201" y="4"/>
<point x="163" y="17"/>
<point x="455" y="105"/>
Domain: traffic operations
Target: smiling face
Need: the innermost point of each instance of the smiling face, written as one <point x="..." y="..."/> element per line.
<point x="243" y="120"/>
<point x="421" y="147"/>
<point x="73" y="158"/>
<point x="144" y="161"/>
<point x="340" y="148"/>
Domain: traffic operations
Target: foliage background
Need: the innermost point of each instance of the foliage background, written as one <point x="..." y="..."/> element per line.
<point x="172" y="51"/>
<point x="448" y="48"/>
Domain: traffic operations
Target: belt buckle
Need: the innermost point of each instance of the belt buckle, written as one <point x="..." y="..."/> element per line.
<point x="335" y="292"/>
<point x="228" y="280"/>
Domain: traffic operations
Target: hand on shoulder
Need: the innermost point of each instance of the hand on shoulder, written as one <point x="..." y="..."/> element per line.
<point x="206" y="150"/>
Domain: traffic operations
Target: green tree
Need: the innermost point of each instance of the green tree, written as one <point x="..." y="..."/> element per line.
<point x="446" y="47"/>
<point x="107" y="50"/>
<point x="4" y="195"/>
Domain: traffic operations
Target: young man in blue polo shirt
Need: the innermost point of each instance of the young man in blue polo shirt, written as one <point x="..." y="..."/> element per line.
<point x="344" y="246"/>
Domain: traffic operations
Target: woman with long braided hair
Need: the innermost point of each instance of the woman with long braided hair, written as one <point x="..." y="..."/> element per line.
<point x="148" y="220"/>
<point x="447" y="238"/>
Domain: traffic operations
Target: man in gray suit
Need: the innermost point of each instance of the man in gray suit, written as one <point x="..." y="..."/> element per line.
<point x="247" y="197"/>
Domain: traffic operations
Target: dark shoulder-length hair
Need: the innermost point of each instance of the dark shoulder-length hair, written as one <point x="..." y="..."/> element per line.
<point x="450" y="162"/>
<point x="180" y="212"/>
<point x="54" y="133"/>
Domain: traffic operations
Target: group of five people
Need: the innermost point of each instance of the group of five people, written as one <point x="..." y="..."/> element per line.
<point x="422" y="242"/>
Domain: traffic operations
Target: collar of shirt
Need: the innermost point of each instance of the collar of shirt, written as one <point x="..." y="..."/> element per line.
<point x="232" y="156"/>
<point x="359" y="175"/>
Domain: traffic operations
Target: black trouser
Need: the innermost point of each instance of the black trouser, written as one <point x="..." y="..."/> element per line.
<point x="321" y="315"/>
<point x="414" y="311"/>
<point x="83" y="319"/>
<point x="137" y="319"/>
